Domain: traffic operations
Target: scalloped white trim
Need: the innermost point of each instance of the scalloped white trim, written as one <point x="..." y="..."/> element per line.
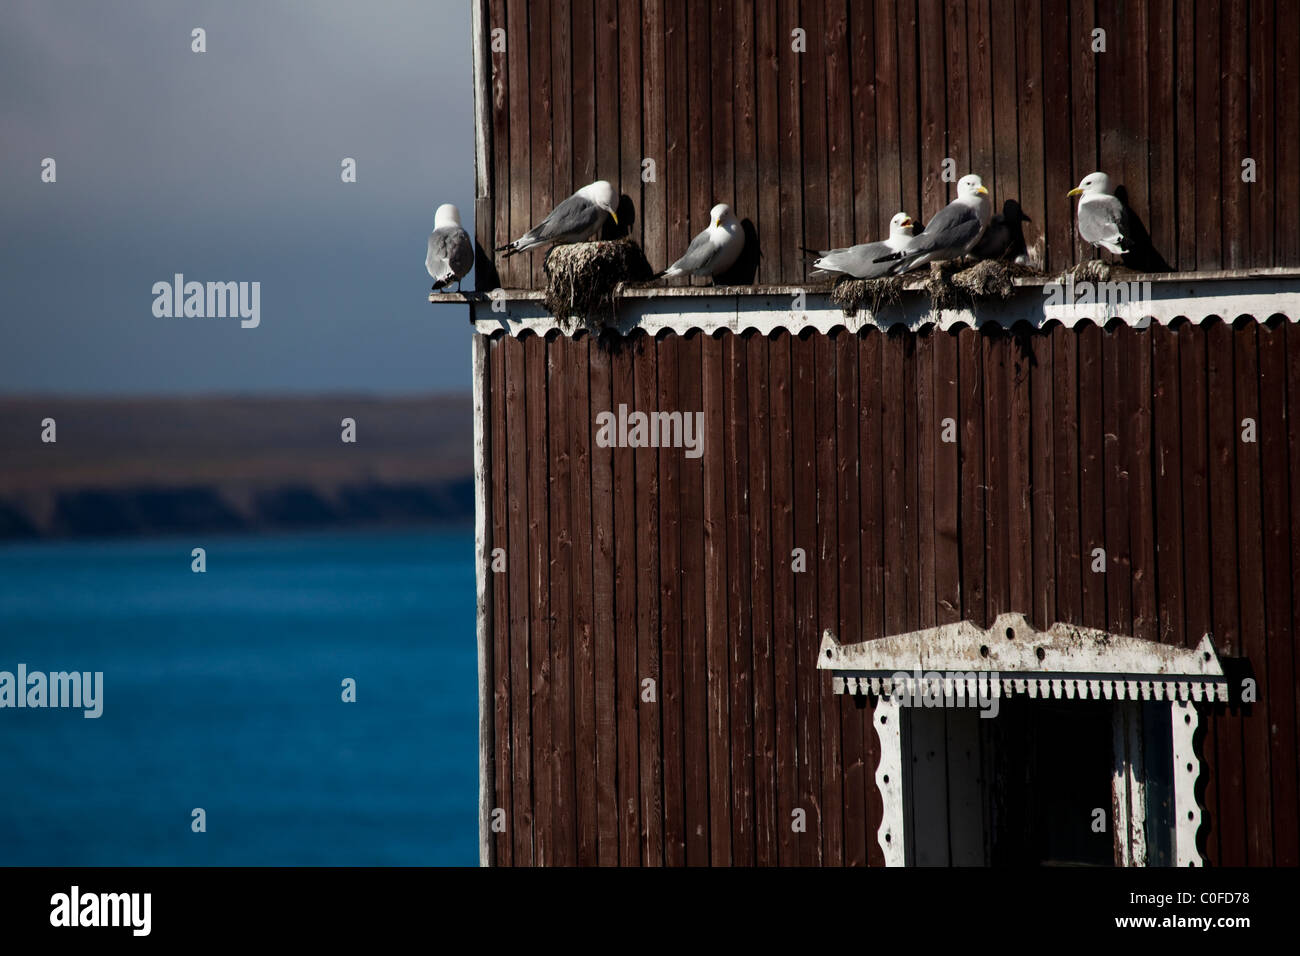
<point x="1184" y="720"/>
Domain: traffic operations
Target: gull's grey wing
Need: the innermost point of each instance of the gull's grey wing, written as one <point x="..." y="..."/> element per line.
<point x="1102" y="220"/>
<point x="575" y="218"/>
<point x="700" y="254"/>
<point x="859" y="261"/>
<point x="955" y="225"/>
<point x="451" y="254"/>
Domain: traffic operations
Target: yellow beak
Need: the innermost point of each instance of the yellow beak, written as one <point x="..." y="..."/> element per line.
<point x="1076" y="191"/>
<point x="906" y="223"/>
<point x="981" y="191"/>
<point x="613" y="215"/>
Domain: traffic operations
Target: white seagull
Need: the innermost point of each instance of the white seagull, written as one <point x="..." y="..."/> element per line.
<point x="714" y="250"/>
<point x="577" y="218"/>
<point x="954" y="230"/>
<point x="860" y="261"/>
<point x="451" y="254"/>
<point x="1101" y="215"/>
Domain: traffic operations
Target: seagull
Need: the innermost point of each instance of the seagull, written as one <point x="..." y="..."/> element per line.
<point x="714" y="250"/>
<point x="451" y="254"/>
<point x="954" y="230"/>
<point x="861" y="261"/>
<point x="1102" y="219"/>
<point x="575" y="219"/>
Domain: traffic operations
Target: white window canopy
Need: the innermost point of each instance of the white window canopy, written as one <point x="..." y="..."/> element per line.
<point x="1064" y="661"/>
<point x="953" y="665"/>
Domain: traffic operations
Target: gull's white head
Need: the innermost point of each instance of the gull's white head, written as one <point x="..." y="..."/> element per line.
<point x="602" y="194"/>
<point x="446" y="215"/>
<point x="971" y="187"/>
<point x="721" y="215"/>
<point x="1092" y="183"/>
<point x="900" y="226"/>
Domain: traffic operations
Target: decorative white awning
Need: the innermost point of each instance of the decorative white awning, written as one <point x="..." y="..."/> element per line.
<point x="959" y="664"/>
<point x="1010" y="658"/>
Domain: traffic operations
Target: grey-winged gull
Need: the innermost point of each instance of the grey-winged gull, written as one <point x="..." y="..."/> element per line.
<point x="451" y="254"/>
<point x="1101" y="214"/>
<point x="714" y="250"/>
<point x="575" y="219"/>
<point x="954" y="230"/>
<point x="860" y="261"/>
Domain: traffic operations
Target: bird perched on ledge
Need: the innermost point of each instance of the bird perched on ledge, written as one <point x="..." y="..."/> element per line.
<point x="578" y="217"/>
<point x="1102" y="219"/>
<point x="860" y="261"/>
<point x="954" y="230"/>
<point x="451" y="253"/>
<point x="714" y="250"/>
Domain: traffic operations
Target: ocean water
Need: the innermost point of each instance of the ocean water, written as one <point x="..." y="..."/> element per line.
<point x="223" y="691"/>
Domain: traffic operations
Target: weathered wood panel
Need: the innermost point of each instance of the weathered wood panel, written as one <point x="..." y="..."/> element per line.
<point x="826" y="495"/>
<point x="820" y="137"/>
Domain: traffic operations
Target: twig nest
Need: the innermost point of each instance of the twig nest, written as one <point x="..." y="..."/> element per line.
<point x="583" y="279"/>
<point x="852" y="294"/>
<point x="991" y="278"/>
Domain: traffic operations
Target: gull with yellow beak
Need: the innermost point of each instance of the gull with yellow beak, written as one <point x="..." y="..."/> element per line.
<point x="1102" y="219"/>
<point x="577" y="218"/>
<point x="860" y="261"/>
<point x="954" y="230"/>
<point x="713" y="251"/>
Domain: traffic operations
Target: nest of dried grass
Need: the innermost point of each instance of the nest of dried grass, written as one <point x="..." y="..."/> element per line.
<point x="852" y="294"/>
<point x="583" y="279"/>
<point x="991" y="278"/>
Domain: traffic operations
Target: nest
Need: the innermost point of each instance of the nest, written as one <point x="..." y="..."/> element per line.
<point x="1092" y="270"/>
<point x="991" y="278"/>
<point x="583" y="279"/>
<point x="852" y="294"/>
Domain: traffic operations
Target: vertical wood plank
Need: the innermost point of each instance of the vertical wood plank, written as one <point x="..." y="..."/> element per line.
<point x="1092" y="491"/>
<point x="1261" y="37"/>
<point x="539" y="628"/>
<point x="676" y="178"/>
<point x="1160" y="211"/>
<point x="848" y="472"/>
<point x="1279" y="640"/>
<point x="768" y="106"/>
<point x="1058" y="218"/>
<point x="926" y="435"/>
<point x="1083" y="104"/>
<point x="670" y="602"/>
<point x="1186" y="66"/>
<point x="1137" y="373"/>
<point x="695" y="666"/>
<point x="699" y="119"/>
<point x="602" y="506"/>
<point x="1287" y="90"/>
<point x="770" y="814"/>
<point x="606" y="90"/>
<point x="1250" y="563"/>
<point x="1019" y="474"/>
<point x="563" y="795"/>
<point x="626" y="666"/>
<point x="1119" y="563"/>
<point x="979" y="48"/>
<point x="739" y="594"/>
<point x="1235" y="125"/>
<point x="1006" y="155"/>
<point x="873" y="555"/>
<point x="744" y="162"/>
<point x="794" y="847"/>
<point x="1168" y="469"/>
<point x="541" y="102"/>
<point x="803" y="406"/>
<point x="1065" y="487"/>
<point x="654" y="121"/>
<point x="499" y="583"/>
<point x="972" y="517"/>
<point x="715" y="607"/>
<point x="1029" y="119"/>
<point x="813" y="109"/>
<point x="839" y="125"/>
<point x="1043" y="425"/>
<point x="995" y="345"/>
<point x="1228" y="827"/>
<point x="889" y="174"/>
<point x="517" y="567"/>
<point x="516" y="190"/>
<point x="630" y="77"/>
<point x="648" y="621"/>
<point x="867" y="221"/>
<point x="584" y="656"/>
<point x="503" y="187"/>
<point x="564" y="96"/>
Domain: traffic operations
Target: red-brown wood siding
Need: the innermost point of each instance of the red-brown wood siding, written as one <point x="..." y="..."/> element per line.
<point x="824" y="146"/>
<point x="624" y="565"/>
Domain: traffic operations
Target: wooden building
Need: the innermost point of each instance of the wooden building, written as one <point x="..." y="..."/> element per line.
<point x="1042" y="507"/>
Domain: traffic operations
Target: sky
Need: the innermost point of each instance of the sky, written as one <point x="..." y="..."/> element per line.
<point x="225" y="166"/>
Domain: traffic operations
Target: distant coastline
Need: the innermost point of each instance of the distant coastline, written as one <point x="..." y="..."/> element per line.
<point x="147" y="466"/>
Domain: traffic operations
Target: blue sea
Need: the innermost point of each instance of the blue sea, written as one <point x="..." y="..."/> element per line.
<point x="223" y="691"/>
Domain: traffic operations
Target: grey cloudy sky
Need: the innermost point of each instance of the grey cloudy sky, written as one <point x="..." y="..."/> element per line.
<point x="224" y="166"/>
